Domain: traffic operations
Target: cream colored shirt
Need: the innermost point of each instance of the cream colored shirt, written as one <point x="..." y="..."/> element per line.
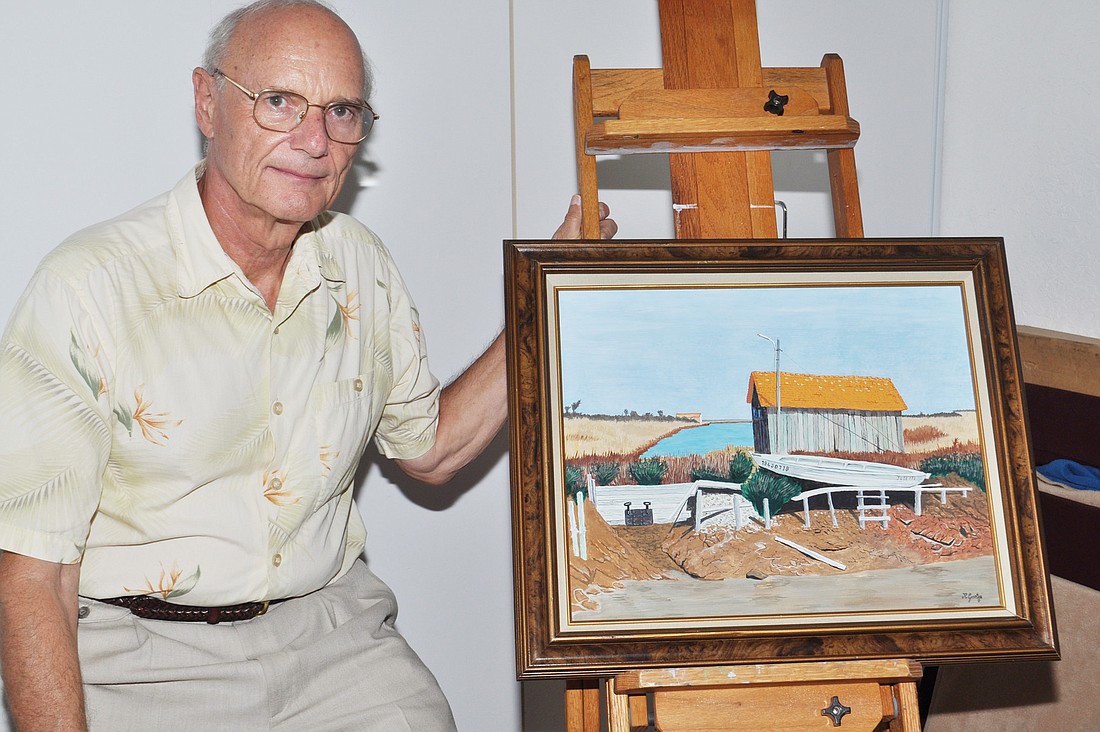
<point x="160" y="425"/>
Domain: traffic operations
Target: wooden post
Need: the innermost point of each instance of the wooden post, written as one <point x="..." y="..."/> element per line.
<point x="713" y="44"/>
<point x="582" y="705"/>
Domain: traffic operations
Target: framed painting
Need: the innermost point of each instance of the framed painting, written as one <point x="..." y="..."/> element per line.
<point x="753" y="451"/>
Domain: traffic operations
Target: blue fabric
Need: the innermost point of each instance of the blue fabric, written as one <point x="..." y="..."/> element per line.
<point x="1071" y="474"/>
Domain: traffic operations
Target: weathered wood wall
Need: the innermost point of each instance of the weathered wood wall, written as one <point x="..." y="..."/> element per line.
<point x="820" y="430"/>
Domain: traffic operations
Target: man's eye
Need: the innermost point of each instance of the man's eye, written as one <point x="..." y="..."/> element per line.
<point x="343" y="112"/>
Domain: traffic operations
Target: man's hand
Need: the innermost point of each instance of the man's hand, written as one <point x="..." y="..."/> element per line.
<point x="571" y="227"/>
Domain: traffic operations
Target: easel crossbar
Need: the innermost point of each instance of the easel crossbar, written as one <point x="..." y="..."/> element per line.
<point x="885" y="671"/>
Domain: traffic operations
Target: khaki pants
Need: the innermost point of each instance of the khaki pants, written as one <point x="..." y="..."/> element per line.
<point x="328" y="661"/>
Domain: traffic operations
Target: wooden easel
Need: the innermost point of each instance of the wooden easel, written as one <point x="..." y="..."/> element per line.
<point x="712" y="107"/>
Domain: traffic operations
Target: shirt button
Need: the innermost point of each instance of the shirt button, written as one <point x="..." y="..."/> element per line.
<point x="358" y="384"/>
<point x="276" y="483"/>
<point x="277" y="559"/>
<point x="277" y="408"/>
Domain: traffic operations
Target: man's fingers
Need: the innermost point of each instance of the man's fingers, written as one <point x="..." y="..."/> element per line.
<point x="571" y="226"/>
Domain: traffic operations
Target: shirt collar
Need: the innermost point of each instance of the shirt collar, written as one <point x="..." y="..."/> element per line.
<point x="327" y="265"/>
<point x="200" y="259"/>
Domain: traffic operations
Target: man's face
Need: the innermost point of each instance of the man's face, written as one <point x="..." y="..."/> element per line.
<point x="282" y="176"/>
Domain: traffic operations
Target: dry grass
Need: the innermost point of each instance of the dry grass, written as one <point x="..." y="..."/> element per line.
<point x="679" y="467"/>
<point x="616" y="437"/>
<point x="956" y="428"/>
<point x="923" y="433"/>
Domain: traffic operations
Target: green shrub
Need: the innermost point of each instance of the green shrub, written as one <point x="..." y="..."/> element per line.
<point x="741" y="467"/>
<point x="574" y="481"/>
<point x="778" y="489"/>
<point x="648" y="471"/>
<point x="966" y="465"/>
<point x="605" y="473"/>
<point x="706" y="473"/>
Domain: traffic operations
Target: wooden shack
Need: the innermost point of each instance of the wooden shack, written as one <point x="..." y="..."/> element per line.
<point x="826" y="414"/>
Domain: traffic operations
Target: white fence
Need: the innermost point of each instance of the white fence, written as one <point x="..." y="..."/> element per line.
<point x="668" y="502"/>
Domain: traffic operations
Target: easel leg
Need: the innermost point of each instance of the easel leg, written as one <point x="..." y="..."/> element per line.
<point x="908" y="718"/>
<point x="582" y="705"/>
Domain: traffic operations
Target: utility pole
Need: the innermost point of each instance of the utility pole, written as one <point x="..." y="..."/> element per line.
<point x="778" y="401"/>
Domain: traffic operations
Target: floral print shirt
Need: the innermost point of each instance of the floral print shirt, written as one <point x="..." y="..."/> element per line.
<point x="162" y="426"/>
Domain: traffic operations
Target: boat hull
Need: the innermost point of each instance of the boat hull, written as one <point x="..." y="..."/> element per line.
<point x="841" y="472"/>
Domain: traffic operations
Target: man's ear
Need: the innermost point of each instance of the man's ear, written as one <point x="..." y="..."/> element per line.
<point x="203" y="83"/>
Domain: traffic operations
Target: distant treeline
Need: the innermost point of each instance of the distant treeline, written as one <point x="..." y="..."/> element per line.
<point x="627" y="417"/>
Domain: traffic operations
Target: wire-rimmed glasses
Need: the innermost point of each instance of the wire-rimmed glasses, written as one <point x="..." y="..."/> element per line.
<point x="279" y="110"/>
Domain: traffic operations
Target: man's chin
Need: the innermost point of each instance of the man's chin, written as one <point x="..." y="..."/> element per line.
<point x="298" y="212"/>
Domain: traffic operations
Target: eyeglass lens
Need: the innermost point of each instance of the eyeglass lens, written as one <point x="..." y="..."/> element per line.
<point x="282" y="111"/>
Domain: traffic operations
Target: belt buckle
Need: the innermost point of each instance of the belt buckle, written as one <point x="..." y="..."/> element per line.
<point x="263" y="607"/>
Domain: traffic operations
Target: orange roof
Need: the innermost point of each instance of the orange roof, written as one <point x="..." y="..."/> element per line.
<point x="809" y="391"/>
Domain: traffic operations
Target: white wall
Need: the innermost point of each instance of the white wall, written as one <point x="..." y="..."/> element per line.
<point x="455" y="167"/>
<point x="1021" y="157"/>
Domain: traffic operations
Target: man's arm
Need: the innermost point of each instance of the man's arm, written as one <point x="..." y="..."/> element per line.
<point x="38" y="606"/>
<point x="474" y="407"/>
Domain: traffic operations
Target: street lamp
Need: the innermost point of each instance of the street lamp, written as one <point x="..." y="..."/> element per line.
<point x="778" y="408"/>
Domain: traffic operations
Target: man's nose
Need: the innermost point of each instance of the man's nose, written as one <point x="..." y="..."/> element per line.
<point x="310" y="134"/>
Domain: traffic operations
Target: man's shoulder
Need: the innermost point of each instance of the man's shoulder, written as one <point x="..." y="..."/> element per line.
<point x="140" y="232"/>
<point x="341" y="230"/>
<point x="352" y="244"/>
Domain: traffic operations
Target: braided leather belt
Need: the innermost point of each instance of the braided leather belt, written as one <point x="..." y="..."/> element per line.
<point x="153" y="609"/>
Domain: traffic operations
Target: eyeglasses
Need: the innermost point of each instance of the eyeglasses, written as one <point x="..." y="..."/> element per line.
<point x="281" y="111"/>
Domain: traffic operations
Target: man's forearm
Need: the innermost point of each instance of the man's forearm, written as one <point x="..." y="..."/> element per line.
<point x="41" y="669"/>
<point x="472" y="409"/>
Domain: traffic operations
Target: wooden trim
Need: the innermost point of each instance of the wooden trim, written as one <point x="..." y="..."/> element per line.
<point x="650" y="679"/>
<point x="1060" y="360"/>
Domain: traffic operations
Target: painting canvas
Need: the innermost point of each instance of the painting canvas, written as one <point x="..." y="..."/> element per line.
<point x="767" y="444"/>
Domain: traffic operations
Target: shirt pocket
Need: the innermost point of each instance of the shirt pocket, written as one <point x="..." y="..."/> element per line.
<point x="344" y="421"/>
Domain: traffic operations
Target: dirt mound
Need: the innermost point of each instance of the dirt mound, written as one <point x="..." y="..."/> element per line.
<point x="958" y="529"/>
<point x="611" y="559"/>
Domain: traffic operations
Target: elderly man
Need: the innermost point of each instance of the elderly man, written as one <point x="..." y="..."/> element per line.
<point x="185" y="392"/>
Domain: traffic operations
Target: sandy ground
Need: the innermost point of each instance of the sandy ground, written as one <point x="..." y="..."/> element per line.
<point x="683" y="562"/>
<point x="966" y="583"/>
<point x="947" y="552"/>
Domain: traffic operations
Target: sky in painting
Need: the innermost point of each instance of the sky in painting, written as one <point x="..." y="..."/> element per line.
<point x="692" y="350"/>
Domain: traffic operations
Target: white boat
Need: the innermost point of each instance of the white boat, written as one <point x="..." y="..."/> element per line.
<point x="841" y="472"/>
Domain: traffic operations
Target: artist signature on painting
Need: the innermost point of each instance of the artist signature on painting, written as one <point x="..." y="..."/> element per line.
<point x="972" y="597"/>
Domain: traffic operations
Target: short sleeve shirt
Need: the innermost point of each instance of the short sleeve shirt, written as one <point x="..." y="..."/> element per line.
<point x="161" y="425"/>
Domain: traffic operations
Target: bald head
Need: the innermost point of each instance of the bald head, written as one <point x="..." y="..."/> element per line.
<point x="244" y="29"/>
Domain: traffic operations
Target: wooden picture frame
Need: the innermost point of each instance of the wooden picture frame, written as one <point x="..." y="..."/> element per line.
<point x="884" y="360"/>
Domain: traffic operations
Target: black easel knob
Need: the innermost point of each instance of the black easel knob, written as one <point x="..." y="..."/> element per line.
<point x="776" y="102"/>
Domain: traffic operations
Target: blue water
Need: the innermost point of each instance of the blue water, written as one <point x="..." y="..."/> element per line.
<point x="703" y="439"/>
